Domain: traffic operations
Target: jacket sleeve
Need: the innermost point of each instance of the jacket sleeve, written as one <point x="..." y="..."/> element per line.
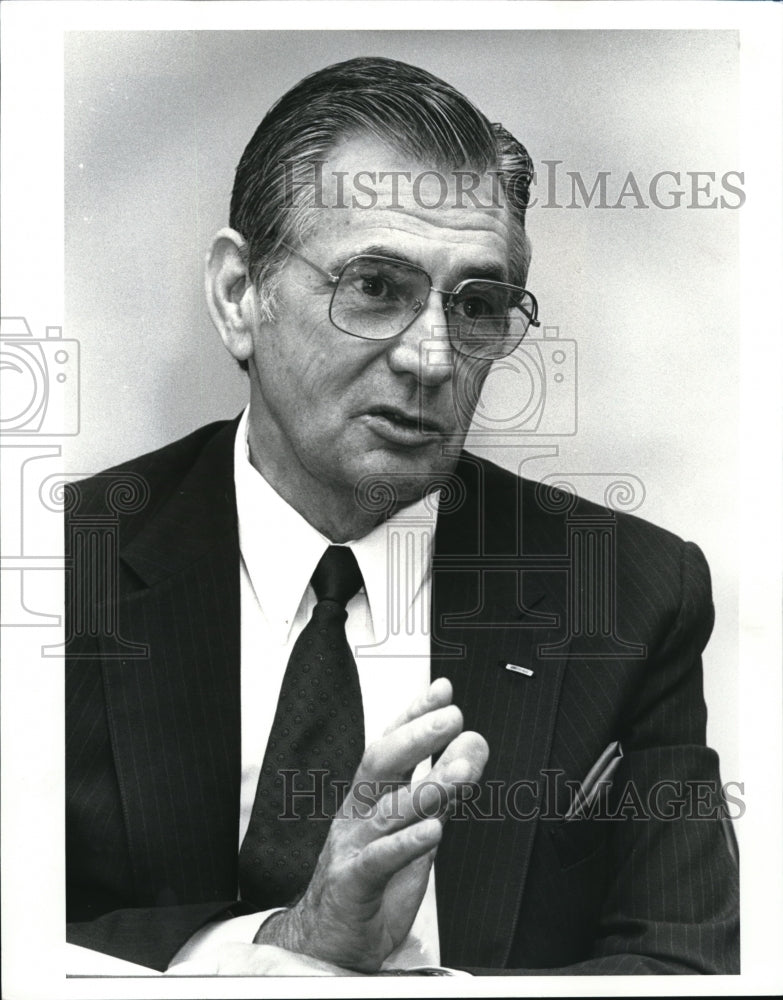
<point x="149" y="936"/>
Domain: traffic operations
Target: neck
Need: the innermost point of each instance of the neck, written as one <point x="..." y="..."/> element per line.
<point x="336" y="515"/>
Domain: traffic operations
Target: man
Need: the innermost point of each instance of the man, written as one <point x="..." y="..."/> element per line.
<point x="221" y="709"/>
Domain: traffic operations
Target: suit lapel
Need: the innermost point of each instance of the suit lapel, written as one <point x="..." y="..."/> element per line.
<point x="482" y="620"/>
<point x="175" y="716"/>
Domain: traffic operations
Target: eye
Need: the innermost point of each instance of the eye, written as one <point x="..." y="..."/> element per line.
<point x="477" y="307"/>
<point x="377" y="286"/>
<point x="374" y="286"/>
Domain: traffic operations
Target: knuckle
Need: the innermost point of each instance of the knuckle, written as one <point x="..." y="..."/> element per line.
<point x="390" y="813"/>
<point x="371" y="758"/>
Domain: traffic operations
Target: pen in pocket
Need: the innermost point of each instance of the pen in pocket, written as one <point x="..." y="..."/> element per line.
<point x="598" y="777"/>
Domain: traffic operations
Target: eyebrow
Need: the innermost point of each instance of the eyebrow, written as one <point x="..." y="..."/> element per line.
<point x="489" y="271"/>
<point x="492" y="272"/>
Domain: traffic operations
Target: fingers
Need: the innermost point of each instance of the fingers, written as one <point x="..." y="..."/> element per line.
<point x="461" y="764"/>
<point x="383" y="858"/>
<point x="433" y="797"/>
<point x="395" y="755"/>
<point x="437" y="695"/>
<point x="468" y="747"/>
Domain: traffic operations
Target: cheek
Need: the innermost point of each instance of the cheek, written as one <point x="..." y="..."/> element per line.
<point x="308" y="372"/>
<point x="321" y="379"/>
<point x="312" y="378"/>
<point x="468" y="381"/>
<point x="293" y="356"/>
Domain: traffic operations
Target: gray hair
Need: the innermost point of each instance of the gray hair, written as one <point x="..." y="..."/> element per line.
<point x="406" y="108"/>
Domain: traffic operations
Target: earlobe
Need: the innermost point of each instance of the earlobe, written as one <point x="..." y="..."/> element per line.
<point x="230" y="294"/>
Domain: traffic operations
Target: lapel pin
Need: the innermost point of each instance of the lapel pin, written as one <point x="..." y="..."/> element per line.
<point x="519" y="670"/>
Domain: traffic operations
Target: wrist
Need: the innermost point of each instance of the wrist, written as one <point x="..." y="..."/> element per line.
<point x="295" y="931"/>
<point x="283" y="930"/>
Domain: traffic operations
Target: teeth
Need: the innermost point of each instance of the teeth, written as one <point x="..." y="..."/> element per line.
<point x="396" y="418"/>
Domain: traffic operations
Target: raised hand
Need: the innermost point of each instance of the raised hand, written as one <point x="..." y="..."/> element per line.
<point x="374" y="867"/>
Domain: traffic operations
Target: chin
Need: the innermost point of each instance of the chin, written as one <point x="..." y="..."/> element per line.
<point x="382" y="487"/>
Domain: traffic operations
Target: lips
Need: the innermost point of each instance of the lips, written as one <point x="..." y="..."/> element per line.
<point x="405" y="420"/>
<point x="401" y="429"/>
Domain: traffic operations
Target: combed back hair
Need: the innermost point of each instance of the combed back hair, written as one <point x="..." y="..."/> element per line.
<point x="407" y="109"/>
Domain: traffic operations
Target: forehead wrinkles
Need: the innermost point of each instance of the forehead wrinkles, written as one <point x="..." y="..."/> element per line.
<point x="369" y="192"/>
<point x="437" y="239"/>
<point x="447" y="255"/>
<point x="384" y="207"/>
<point x="436" y="223"/>
<point x="413" y="188"/>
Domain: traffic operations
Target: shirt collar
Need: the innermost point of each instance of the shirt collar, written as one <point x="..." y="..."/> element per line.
<point x="395" y="557"/>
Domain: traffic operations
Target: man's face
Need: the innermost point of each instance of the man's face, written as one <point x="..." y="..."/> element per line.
<point x="327" y="408"/>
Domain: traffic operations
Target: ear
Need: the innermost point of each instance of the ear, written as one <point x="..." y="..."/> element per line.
<point x="230" y="293"/>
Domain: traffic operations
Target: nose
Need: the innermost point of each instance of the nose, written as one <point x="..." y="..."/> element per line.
<point x="424" y="349"/>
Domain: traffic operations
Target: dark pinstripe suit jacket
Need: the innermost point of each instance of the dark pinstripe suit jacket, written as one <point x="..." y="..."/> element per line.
<point x="609" y="612"/>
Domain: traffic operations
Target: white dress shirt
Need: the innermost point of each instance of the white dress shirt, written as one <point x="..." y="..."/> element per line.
<point x="387" y="629"/>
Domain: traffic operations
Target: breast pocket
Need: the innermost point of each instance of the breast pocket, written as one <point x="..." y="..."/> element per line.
<point x="578" y="841"/>
<point x="583" y="832"/>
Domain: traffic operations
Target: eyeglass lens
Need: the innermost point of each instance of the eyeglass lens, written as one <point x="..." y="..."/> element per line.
<point x="378" y="299"/>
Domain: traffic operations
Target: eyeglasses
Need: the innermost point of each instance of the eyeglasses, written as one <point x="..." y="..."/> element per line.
<point x="377" y="298"/>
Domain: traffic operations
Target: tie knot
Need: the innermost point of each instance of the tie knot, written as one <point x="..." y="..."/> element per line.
<point x="337" y="576"/>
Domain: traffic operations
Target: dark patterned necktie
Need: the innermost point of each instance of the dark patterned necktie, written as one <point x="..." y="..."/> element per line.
<point x="318" y="731"/>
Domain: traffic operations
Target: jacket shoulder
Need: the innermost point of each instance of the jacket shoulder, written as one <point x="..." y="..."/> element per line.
<point x="652" y="567"/>
<point x="508" y="497"/>
<point x="145" y="483"/>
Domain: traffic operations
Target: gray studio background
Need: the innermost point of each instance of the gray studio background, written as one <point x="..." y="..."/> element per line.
<point x="156" y="121"/>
